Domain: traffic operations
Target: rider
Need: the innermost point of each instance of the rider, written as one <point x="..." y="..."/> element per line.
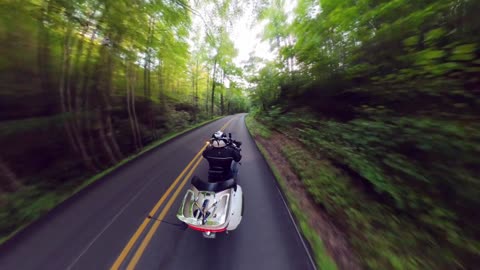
<point x="223" y="157"/>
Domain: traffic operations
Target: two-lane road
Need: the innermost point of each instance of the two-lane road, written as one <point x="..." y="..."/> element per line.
<point x="105" y="225"/>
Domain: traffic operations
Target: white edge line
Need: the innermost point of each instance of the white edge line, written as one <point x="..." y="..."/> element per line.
<point x="296" y="228"/>
<point x="307" y="250"/>
<point x="110" y="223"/>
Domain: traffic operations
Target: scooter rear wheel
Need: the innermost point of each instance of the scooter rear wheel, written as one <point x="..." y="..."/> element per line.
<point x="209" y="235"/>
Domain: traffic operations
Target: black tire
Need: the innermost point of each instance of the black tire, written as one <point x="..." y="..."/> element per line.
<point x="243" y="204"/>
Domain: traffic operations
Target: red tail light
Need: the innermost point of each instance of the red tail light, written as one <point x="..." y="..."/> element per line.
<point x="207" y="230"/>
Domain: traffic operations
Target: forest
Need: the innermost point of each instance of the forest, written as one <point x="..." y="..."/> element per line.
<point x="85" y="84"/>
<point x="386" y="93"/>
<point x="374" y="103"/>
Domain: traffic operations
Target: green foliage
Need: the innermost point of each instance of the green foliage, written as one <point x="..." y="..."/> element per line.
<point x="85" y="84"/>
<point x="30" y="202"/>
<point x="256" y="128"/>
<point x="267" y="89"/>
<point x="24" y="206"/>
<point x="388" y="92"/>
<point x="10" y="128"/>
<point x="409" y="174"/>
<point x="323" y="260"/>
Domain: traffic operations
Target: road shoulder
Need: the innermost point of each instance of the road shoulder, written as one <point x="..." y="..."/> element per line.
<point x="328" y="244"/>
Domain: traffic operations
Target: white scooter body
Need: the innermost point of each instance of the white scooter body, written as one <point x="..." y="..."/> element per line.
<point x="212" y="207"/>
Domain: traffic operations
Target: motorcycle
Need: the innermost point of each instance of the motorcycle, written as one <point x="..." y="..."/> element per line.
<point x="215" y="206"/>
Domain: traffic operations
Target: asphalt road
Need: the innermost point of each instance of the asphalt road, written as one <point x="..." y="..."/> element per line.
<point x="92" y="229"/>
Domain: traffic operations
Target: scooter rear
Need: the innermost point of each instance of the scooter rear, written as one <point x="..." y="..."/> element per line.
<point x="212" y="207"/>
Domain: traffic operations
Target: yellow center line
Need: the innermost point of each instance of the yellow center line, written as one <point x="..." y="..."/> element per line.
<point x="126" y="250"/>
<point x="141" y="249"/>
<point x="144" y="224"/>
<point x="154" y="228"/>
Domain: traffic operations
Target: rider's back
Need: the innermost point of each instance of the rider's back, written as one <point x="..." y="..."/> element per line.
<point x="220" y="161"/>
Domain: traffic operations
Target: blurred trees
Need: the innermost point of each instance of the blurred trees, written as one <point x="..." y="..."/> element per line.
<point x="85" y="83"/>
<point x="394" y="89"/>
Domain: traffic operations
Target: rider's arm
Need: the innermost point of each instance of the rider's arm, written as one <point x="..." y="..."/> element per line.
<point x="236" y="155"/>
<point x="204" y="154"/>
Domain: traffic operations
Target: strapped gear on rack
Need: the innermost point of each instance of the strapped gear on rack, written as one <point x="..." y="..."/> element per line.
<point x="218" y="143"/>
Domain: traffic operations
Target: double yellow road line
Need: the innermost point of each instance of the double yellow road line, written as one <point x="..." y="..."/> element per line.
<point x="190" y="168"/>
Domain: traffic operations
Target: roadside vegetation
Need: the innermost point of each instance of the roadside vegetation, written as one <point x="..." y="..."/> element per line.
<point x="380" y="234"/>
<point x="373" y="105"/>
<point x="383" y="98"/>
<point x="260" y="134"/>
<point x="87" y="84"/>
<point x="30" y="202"/>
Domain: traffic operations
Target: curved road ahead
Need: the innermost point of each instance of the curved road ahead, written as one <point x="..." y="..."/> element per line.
<point x="105" y="225"/>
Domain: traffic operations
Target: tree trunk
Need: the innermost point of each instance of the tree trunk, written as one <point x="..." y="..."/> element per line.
<point x="134" y="112"/>
<point x="64" y="71"/>
<point x="213" y="85"/>
<point x="221" y="102"/>
<point x="229" y="105"/>
<point x="196" y="90"/>
<point x="222" y="107"/>
<point x="129" y="108"/>
<point x="161" y="83"/>
<point x="81" y="98"/>
<point x="193" y="95"/>
<point x="146" y="65"/>
<point x="74" y="103"/>
<point x="73" y="115"/>
<point x="103" y="138"/>
<point x="85" y="91"/>
<point x="145" y="79"/>
<point x="102" y="105"/>
<point x="108" y="107"/>
<point x="43" y="52"/>
<point x="206" y="92"/>
<point x="72" y="133"/>
<point x="111" y="135"/>
<point x="89" y="129"/>
<point x="167" y="82"/>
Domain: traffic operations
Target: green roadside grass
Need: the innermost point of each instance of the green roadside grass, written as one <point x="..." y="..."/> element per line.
<point x="31" y="203"/>
<point x="341" y="168"/>
<point x="322" y="259"/>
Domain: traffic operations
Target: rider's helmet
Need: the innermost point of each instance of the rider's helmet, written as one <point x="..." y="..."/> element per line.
<point x="218" y="139"/>
<point x="219" y="135"/>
